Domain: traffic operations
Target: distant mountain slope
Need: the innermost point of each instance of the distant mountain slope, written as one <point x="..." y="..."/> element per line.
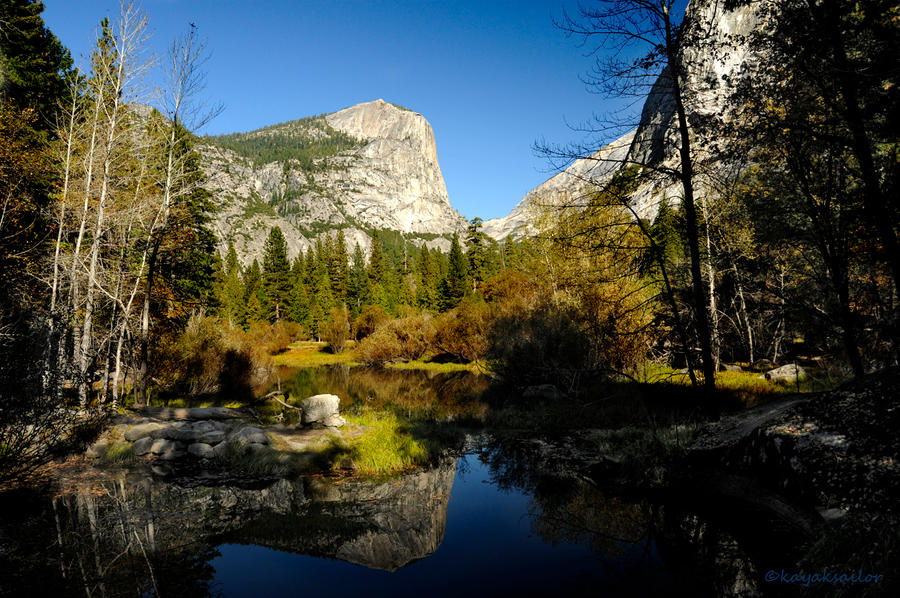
<point x="718" y="57"/>
<point x="370" y="166"/>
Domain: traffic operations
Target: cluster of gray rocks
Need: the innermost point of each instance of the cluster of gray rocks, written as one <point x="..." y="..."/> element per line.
<point x="205" y="439"/>
<point x="201" y="433"/>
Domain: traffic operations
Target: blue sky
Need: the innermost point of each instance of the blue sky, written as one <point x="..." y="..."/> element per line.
<point x="492" y="77"/>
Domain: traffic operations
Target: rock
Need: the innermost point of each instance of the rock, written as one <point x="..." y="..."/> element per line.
<point x="762" y="365"/>
<point x="542" y="392"/>
<point x="213" y="437"/>
<point x="221" y="449"/>
<point x="832" y="514"/>
<point x="161" y="470"/>
<point x="786" y="373"/>
<point x="317" y="408"/>
<point x="348" y="464"/>
<point x="719" y="64"/>
<point x="250" y="435"/>
<point x="204" y="431"/>
<point x="334" y="421"/>
<point x="162" y="446"/>
<point x="172" y="455"/>
<point x="194" y="413"/>
<point x="201" y="450"/>
<point x="142" y="446"/>
<point x="97" y="450"/>
<point x="141" y="430"/>
<point x="390" y="180"/>
<point x="727" y="367"/>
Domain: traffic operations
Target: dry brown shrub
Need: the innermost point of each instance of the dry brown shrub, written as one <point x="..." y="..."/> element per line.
<point x="370" y="319"/>
<point x="464" y="330"/>
<point x="336" y="330"/>
<point x="402" y="339"/>
<point x="210" y="356"/>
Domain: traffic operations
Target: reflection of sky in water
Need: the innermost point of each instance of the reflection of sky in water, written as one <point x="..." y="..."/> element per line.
<point x="488" y="549"/>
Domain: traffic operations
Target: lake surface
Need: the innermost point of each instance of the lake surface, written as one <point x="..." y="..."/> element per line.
<point x="499" y="519"/>
<point x="487" y="524"/>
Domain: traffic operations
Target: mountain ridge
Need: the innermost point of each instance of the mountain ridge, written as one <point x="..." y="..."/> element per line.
<point x="371" y="166"/>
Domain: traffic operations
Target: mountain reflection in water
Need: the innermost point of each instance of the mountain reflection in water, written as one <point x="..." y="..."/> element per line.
<point x="491" y="523"/>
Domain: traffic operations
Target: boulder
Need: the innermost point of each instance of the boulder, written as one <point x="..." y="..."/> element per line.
<point x="162" y="446"/>
<point x="201" y="450"/>
<point x="727" y="367"/>
<point x="250" y="435"/>
<point x="221" y="449"/>
<point x="141" y="430"/>
<point x="334" y="421"/>
<point x="786" y="373"/>
<point x="317" y="408"/>
<point x="97" y="450"/>
<point x="142" y="446"/>
<point x="213" y="437"/>
<point x="203" y="431"/>
<point x="762" y="365"/>
<point x="542" y="392"/>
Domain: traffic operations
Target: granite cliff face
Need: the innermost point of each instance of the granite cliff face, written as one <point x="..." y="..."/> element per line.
<point x="370" y="166"/>
<point x="715" y="57"/>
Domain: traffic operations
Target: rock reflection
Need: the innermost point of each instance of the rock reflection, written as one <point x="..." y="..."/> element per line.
<point x="133" y="534"/>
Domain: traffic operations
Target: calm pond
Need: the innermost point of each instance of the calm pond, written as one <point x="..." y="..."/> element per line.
<point x="493" y="521"/>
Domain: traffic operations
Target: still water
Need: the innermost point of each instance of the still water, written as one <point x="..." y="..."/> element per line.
<point x="495" y="521"/>
<point x="491" y="545"/>
<point x="485" y="524"/>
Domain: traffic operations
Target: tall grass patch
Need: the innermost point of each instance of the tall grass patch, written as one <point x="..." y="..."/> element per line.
<point x="386" y="445"/>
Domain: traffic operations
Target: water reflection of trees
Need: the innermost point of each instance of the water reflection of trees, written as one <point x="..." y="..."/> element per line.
<point x="656" y="542"/>
<point x="415" y="394"/>
<point x="133" y="534"/>
<point x="102" y="541"/>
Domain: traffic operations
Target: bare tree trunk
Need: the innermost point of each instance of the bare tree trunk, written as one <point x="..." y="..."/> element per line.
<point x="742" y="312"/>
<point x="711" y="288"/>
<point x="690" y="212"/>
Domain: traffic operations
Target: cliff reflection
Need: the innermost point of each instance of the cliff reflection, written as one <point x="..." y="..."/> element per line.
<point x="132" y="534"/>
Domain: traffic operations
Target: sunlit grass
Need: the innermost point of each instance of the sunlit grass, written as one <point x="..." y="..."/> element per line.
<point x="747" y="387"/>
<point x="440" y="368"/>
<point x="119" y="452"/>
<point x="310" y="354"/>
<point x="386" y="445"/>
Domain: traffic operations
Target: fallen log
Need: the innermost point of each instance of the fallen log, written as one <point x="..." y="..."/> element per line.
<point x="195" y="413"/>
<point x="274" y="396"/>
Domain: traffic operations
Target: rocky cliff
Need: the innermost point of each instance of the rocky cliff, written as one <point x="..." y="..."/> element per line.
<point x="370" y="166"/>
<point x="715" y="57"/>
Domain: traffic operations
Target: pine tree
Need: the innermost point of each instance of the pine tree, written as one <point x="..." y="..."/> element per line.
<point x="34" y="64"/>
<point x="254" y="294"/>
<point x="477" y="249"/>
<point x="232" y="306"/>
<point x="377" y="264"/>
<point x="456" y="284"/>
<point x="276" y="274"/>
<point x="358" y="284"/>
<point x="338" y="270"/>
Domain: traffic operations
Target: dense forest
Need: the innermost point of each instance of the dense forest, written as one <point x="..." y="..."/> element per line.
<point x="306" y="143"/>
<point x="113" y="290"/>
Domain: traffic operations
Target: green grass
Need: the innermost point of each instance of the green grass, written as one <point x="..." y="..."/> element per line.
<point x="310" y="354"/>
<point x="747" y="387"/>
<point x="119" y="452"/>
<point x="241" y="458"/>
<point x="441" y="368"/>
<point x="386" y="445"/>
